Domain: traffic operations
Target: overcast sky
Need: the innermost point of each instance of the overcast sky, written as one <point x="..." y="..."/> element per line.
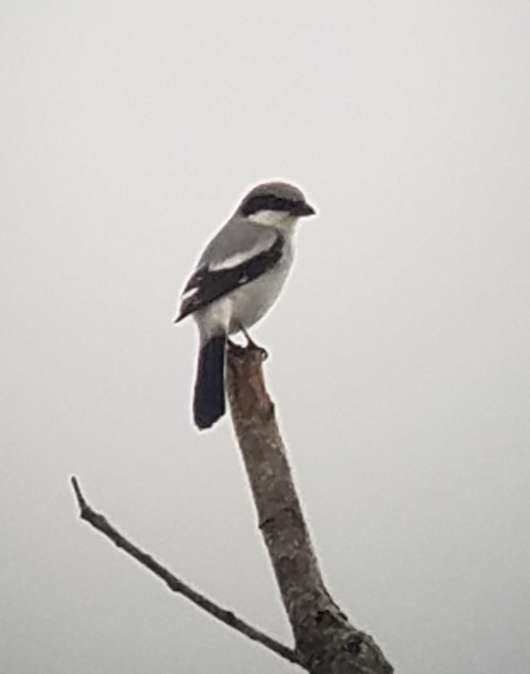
<point x="400" y="356"/>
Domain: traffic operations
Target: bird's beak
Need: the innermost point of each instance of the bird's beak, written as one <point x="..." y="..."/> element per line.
<point x="303" y="209"/>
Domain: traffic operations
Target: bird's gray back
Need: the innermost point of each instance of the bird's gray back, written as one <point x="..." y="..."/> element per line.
<point x="237" y="237"/>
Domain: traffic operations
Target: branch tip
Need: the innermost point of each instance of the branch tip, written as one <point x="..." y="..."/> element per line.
<point x="78" y="494"/>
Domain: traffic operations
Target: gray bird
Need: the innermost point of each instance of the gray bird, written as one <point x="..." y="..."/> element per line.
<point x="236" y="281"/>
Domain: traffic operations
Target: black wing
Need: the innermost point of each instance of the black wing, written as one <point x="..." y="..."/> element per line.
<point x="207" y="285"/>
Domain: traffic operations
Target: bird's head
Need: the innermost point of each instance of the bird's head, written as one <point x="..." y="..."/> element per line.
<point x="275" y="204"/>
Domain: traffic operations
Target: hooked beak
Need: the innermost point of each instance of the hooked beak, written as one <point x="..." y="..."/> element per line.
<point x="303" y="209"/>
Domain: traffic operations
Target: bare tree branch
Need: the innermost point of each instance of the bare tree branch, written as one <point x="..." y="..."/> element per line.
<point x="325" y="640"/>
<point x="99" y="522"/>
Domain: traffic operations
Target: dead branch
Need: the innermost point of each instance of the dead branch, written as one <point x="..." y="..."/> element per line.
<point x="99" y="522"/>
<point x="326" y="642"/>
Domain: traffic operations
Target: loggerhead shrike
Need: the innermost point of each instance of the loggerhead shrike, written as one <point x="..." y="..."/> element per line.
<point x="236" y="281"/>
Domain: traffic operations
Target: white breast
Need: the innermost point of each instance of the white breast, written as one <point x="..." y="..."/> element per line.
<point x="251" y="302"/>
<point x="246" y="305"/>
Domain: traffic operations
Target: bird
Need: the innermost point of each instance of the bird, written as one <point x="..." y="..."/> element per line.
<point x="236" y="281"/>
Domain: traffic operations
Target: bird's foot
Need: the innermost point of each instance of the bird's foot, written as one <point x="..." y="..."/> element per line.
<point x="251" y="344"/>
<point x="264" y="354"/>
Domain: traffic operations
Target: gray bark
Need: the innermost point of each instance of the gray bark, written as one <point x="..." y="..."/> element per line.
<point x="326" y="642"/>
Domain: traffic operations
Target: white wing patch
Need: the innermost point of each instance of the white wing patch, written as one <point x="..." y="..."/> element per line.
<point x="189" y="293"/>
<point x="236" y="259"/>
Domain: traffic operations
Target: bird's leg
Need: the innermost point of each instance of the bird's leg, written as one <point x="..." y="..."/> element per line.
<point x="251" y="344"/>
<point x="234" y="347"/>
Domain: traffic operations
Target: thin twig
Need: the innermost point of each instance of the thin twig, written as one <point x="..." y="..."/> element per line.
<point x="99" y="522"/>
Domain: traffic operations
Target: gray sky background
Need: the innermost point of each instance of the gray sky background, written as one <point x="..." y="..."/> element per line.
<point x="399" y="350"/>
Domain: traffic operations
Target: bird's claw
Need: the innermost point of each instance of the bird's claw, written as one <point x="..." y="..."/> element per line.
<point x="252" y="346"/>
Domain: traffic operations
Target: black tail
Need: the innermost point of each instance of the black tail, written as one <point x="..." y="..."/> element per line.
<point x="209" y="397"/>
